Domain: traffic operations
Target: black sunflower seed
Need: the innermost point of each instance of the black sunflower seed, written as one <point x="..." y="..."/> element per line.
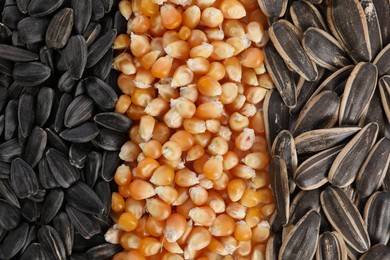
<point x="80" y="134"/>
<point x="104" y="251"/>
<point x="376" y="252"/>
<point x="92" y="32"/>
<point x="303" y="202"/>
<point x="97" y="10"/>
<point x="35" y="146"/>
<point x="110" y="162"/>
<point x="375" y="113"/>
<point x="23" y="5"/>
<point x="99" y="48"/>
<point x="23" y="179"/>
<point x="31" y="210"/>
<point x="34" y="252"/>
<point x="64" y="173"/>
<point x="383" y="11"/>
<point x="11" y="16"/>
<point x="305" y="15"/>
<point x="46" y="55"/>
<point x="59" y="29"/>
<point x="78" y="154"/>
<point x="65" y="101"/>
<point x="46" y="178"/>
<point x="384" y="88"/>
<point x="44" y="105"/>
<point x="38" y="8"/>
<point x="30" y="74"/>
<point x="114" y="121"/>
<point x="103" y="67"/>
<point x="273" y="8"/>
<point x="76" y="55"/>
<point x="52" y="243"/>
<point x="4" y="170"/>
<point x="331" y="246"/>
<point x="9" y="150"/>
<point x="31" y="236"/>
<point x="85" y="224"/>
<point x="12" y="53"/>
<point x="14" y="241"/>
<point x="110" y="140"/>
<point x="11" y="119"/>
<point x="78" y="111"/>
<point x="26" y="114"/>
<point x="2" y="124"/>
<point x="347" y="163"/>
<point x="102" y="189"/>
<point x="103" y="94"/>
<point x="82" y="14"/>
<point x="9" y="215"/>
<point x="52" y="205"/>
<point x="92" y="168"/>
<point x="7" y="192"/>
<point x="381" y="61"/>
<point x="374" y="30"/>
<point x="32" y="30"/>
<point x="83" y="198"/>
<point x="65" y="229"/>
<point x="67" y="83"/>
<point x="6" y="67"/>
<point x="56" y="142"/>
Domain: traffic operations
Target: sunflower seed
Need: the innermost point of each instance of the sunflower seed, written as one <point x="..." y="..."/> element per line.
<point x="31" y="210"/>
<point x="11" y="16"/>
<point x="32" y="30"/>
<point x="65" y="229"/>
<point x="35" y="146"/>
<point x="103" y="94"/>
<point x="110" y="140"/>
<point x="336" y="82"/>
<point x="44" y="105"/>
<point x="276" y="115"/>
<point x="281" y="75"/>
<point x="376" y="252"/>
<point x="12" y="53"/>
<point x="374" y="30"/>
<point x="51" y="242"/>
<point x="9" y="215"/>
<point x="7" y="192"/>
<point x="318" y="140"/>
<point x="345" y="218"/>
<point x="358" y="92"/>
<point x="37" y="8"/>
<point x="26" y="114"/>
<point x="383" y="12"/>
<point x="97" y="10"/>
<point x="85" y="224"/>
<point x="83" y="198"/>
<point x="64" y="173"/>
<point x="78" y="111"/>
<point x="67" y="83"/>
<point x="82" y="14"/>
<point x="301" y="242"/>
<point x="319" y="112"/>
<point x="31" y="236"/>
<point x="34" y="252"/>
<point x="104" y="251"/>
<point x="6" y="67"/>
<point x="92" y="168"/>
<point x="107" y="23"/>
<point x="375" y="113"/>
<point x="59" y="29"/>
<point x="4" y="170"/>
<point x="11" y="119"/>
<point x="302" y="203"/>
<point x="384" y="88"/>
<point x="30" y="74"/>
<point x="312" y="173"/>
<point x="46" y="57"/>
<point x="39" y="197"/>
<point x="9" y="150"/>
<point x="305" y="15"/>
<point x="273" y="8"/>
<point x="2" y="124"/>
<point x="81" y="244"/>
<point x="113" y="121"/>
<point x="23" y="179"/>
<point x="103" y="67"/>
<point x="99" y="48"/>
<point x="52" y="205"/>
<point x="14" y="242"/>
<point x="92" y="32"/>
<point x="279" y="185"/>
<point x="347" y="163"/>
<point x="110" y="162"/>
<point x="381" y="61"/>
<point x="331" y="246"/>
<point x="22" y="5"/>
<point x="76" y="55"/>
<point x="80" y="89"/>
<point x="78" y="154"/>
<point x="102" y="189"/>
<point x="374" y="169"/>
<point x="80" y="134"/>
<point x="46" y="178"/>
<point x="273" y="247"/>
<point x="376" y="214"/>
<point x="285" y="38"/>
<point x="56" y="142"/>
<point x="65" y="101"/>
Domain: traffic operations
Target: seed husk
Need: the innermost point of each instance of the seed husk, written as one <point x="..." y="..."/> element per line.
<point x="321" y="139"/>
<point x="59" y="29"/>
<point x="82" y="14"/>
<point x="44" y="105"/>
<point x="375" y="113"/>
<point x="78" y="154"/>
<point x="103" y="94"/>
<point x="31" y="210"/>
<point x="80" y="134"/>
<point x="64" y="173"/>
<point x="281" y="76"/>
<point x="321" y="111"/>
<point x="78" y="111"/>
<point x="83" y="198"/>
<point x="103" y="68"/>
<point x="374" y="169"/>
<point x="67" y="83"/>
<point x="7" y="192"/>
<point x="23" y="179"/>
<point x="4" y="170"/>
<point x="76" y="55"/>
<point x="381" y="61"/>
<point x="26" y="114"/>
<point x="46" y="178"/>
<point x="104" y="251"/>
<point x="52" y="205"/>
<point x="279" y="185"/>
<point x="345" y="218"/>
<point x="11" y="119"/>
<point x="331" y="246"/>
<point x="65" y="229"/>
<point x="305" y="15"/>
<point x="35" y="146"/>
<point x="359" y="89"/>
<point x="30" y="74"/>
<point x="85" y="224"/>
<point x="110" y="162"/>
<point x="110" y="140"/>
<point x="376" y="252"/>
<point x="32" y="29"/>
<point x="312" y="173"/>
<point x="14" y="242"/>
<point x="273" y="247"/>
<point x="13" y="53"/>
<point x="34" y="251"/>
<point x="374" y="30"/>
<point x="100" y="47"/>
<point x="92" y="32"/>
<point x="273" y="8"/>
<point x="302" y="203"/>
<point x="9" y="150"/>
<point x="301" y="241"/>
<point x="384" y="88"/>
<point x="9" y="215"/>
<point x="37" y="8"/>
<point x="56" y="142"/>
<point x="347" y="163"/>
<point x="376" y="214"/>
<point x="383" y="13"/>
<point x="92" y="168"/>
<point x="51" y="242"/>
<point x="113" y="121"/>
<point x="286" y="40"/>
<point x="102" y="189"/>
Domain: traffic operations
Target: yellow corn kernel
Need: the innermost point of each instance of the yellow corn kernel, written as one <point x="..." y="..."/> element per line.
<point x="171" y="18"/>
<point x="191" y="16"/>
<point x="223" y="226"/>
<point x="217" y="70"/>
<point x="203" y="50"/>
<point x="182" y="76"/>
<point x="233" y="28"/>
<point x="199" y="238"/>
<point x="222" y="50"/>
<point x="139" y="45"/>
<point x="212" y="17"/>
<point x="232" y="9"/>
<point x="178" y="49"/>
<point x="233" y="68"/>
<point x="198" y="195"/>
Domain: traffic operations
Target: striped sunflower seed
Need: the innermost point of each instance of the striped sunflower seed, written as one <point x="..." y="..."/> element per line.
<point x="35" y="146"/>
<point x="31" y="210"/>
<point x="273" y="247"/>
<point x="65" y="229"/>
<point x="273" y="8"/>
<point x="374" y="169"/>
<point x="34" y="251"/>
<point x="9" y="215"/>
<point x="100" y="47"/>
<point x="110" y="140"/>
<point x="92" y="32"/>
<point x="7" y="192"/>
<point x="38" y="8"/>
<point x="286" y="40"/>
<point x="11" y="119"/>
<point x="51" y="205"/>
<point x="80" y="134"/>
<point x="4" y="170"/>
<point x="30" y="74"/>
<point x="375" y="114"/>
<point x="345" y="218"/>
<point x="32" y="29"/>
<point x="279" y="185"/>
<point x="52" y="243"/>
<point x="23" y="5"/>
<point x="281" y="76"/>
<point x="331" y="246"/>
<point x="64" y="173"/>
<point x="383" y="12"/>
<point x="78" y="111"/>
<point x="324" y="50"/>
<point x="384" y="88"/>
<point x="312" y="173"/>
<point x="78" y="154"/>
<point x="44" y="105"/>
<point x="104" y="251"/>
<point x="319" y="112"/>
<point x="65" y="101"/>
<point x="376" y="252"/>
<point x="82" y="14"/>
<point x="322" y="139"/>
<point x="13" y="53"/>
<point x="381" y="61"/>
<point x="302" y="203"/>
<point x="92" y="168"/>
<point x="359" y="89"/>
<point x="59" y="29"/>
<point x="386" y="181"/>
<point x="14" y="242"/>
<point x="347" y="163"/>
<point x="103" y="68"/>
<point x="23" y="179"/>
<point x="376" y="214"/>
<point x="46" y="178"/>
<point x="26" y="114"/>
<point x="102" y="189"/>
<point x="9" y="150"/>
<point x="113" y="121"/>
<point x="85" y="224"/>
<point x="305" y="15"/>
<point x="76" y="55"/>
<point x="374" y="31"/>
<point x="301" y="241"/>
<point x="83" y="198"/>
<point x="103" y="94"/>
<point x="110" y="162"/>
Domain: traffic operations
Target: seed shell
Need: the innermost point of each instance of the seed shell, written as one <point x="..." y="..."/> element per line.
<point x="376" y="252"/>
<point x="347" y="163"/>
<point x="59" y="29"/>
<point x="76" y="55"/>
<point x="14" y="242"/>
<point x="375" y="113"/>
<point x="65" y="229"/>
<point x="100" y="47"/>
<point x="7" y="192"/>
<point x="83" y="198"/>
<point x="113" y="121"/>
<point x="102" y="93"/>
<point x="78" y="111"/>
<point x="104" y="251"/>
<point x="13" y="53"/>
<point x="51" y="242"/>
<point x="33" y="252"/>
<point x="374" y="30"/>
<point x="345" y="218"/>
<point x="30" y="74"/>
<point x="305" y="15"/>
<point x="11" y="119"/>
<point x="35" y="146"/>
<point x="26" y="114"/>
<point x="38" y="8"/>
<point x="64" y="173"/>
<point x="85" y="224"/>
<point x="52" y="205"/>
<point x="9" y="150"/>
<point x="383" y="12"/>
<point x="78" y="154"/>
<point x="102" y="189"/>
<point x="44" y="105"/>
<point x="92" y="168"/>
<point x="80" y="134"/>
<point x="273" y="8"/>
<point x="331" y="246"/>
<point x="303" y="202"/>
<point x="384" y="88"/>
<point x="110" y="162"/>
<point x="31" y="210"/>
<point x="32" y="29"/>
<point x="381" y="61"/>
<point x="82" y="14"/>
<point x="23" y="179"/>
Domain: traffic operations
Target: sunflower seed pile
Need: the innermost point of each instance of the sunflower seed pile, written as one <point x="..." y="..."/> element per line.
<point x="328" y="123"/>
<point x="59" y="136"/>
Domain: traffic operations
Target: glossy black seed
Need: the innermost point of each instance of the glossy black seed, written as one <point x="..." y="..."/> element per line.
<point x="7" y="192"/>
<point x="97" y="10"/>
<point x="80" y="134"/>
<point x="35" y="146"/>
<point x="9" y="150"/>
<point x="32" y="30"/>
<point x="11" y="16"/>
<point x="65" y="100"/>
<point x="65" y="229"/>
<point x="102" y="189"/>
<point x="78" y="111"/>
<point x="92" y="32"/>
<point x="67" y="83"/>
<point x="114" y="121"/>
<point x="5" y="170"/>
<point x="31" y="236"/>
<point x="9" y="215"/>
<point x="34" y="251"/>
<point x="44" y="105"/>
<point x="78" y="154"/>
<point x="103" y="94"/>
<point x="52" y="243"/>
<point x="99" y="48"/>
<point x="52" y="205"/>
<point x="110" y="140"/>
<point x="31" y="74"/>
<point x="31" y="210"/>
<point x="82" y="14"/>
<point x="64" y="173"/>
<point x="23" y="5"/>
<point x="85" y="224"/>
<point x="103" y="67"/>
<point x="46" y="178"/>
<point x="83" y="198"/>
<point x="23" y="179"/>
<point x="26" y="114"/>
<point x="76" y="55"/>
<point x="103" y="251"/>
<point x="12" y="53"/>
<point x="92" y="168"/>
<point x="14" y="242"/>
<point x="111" y="161"/>
<point x="11" y="119"/>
